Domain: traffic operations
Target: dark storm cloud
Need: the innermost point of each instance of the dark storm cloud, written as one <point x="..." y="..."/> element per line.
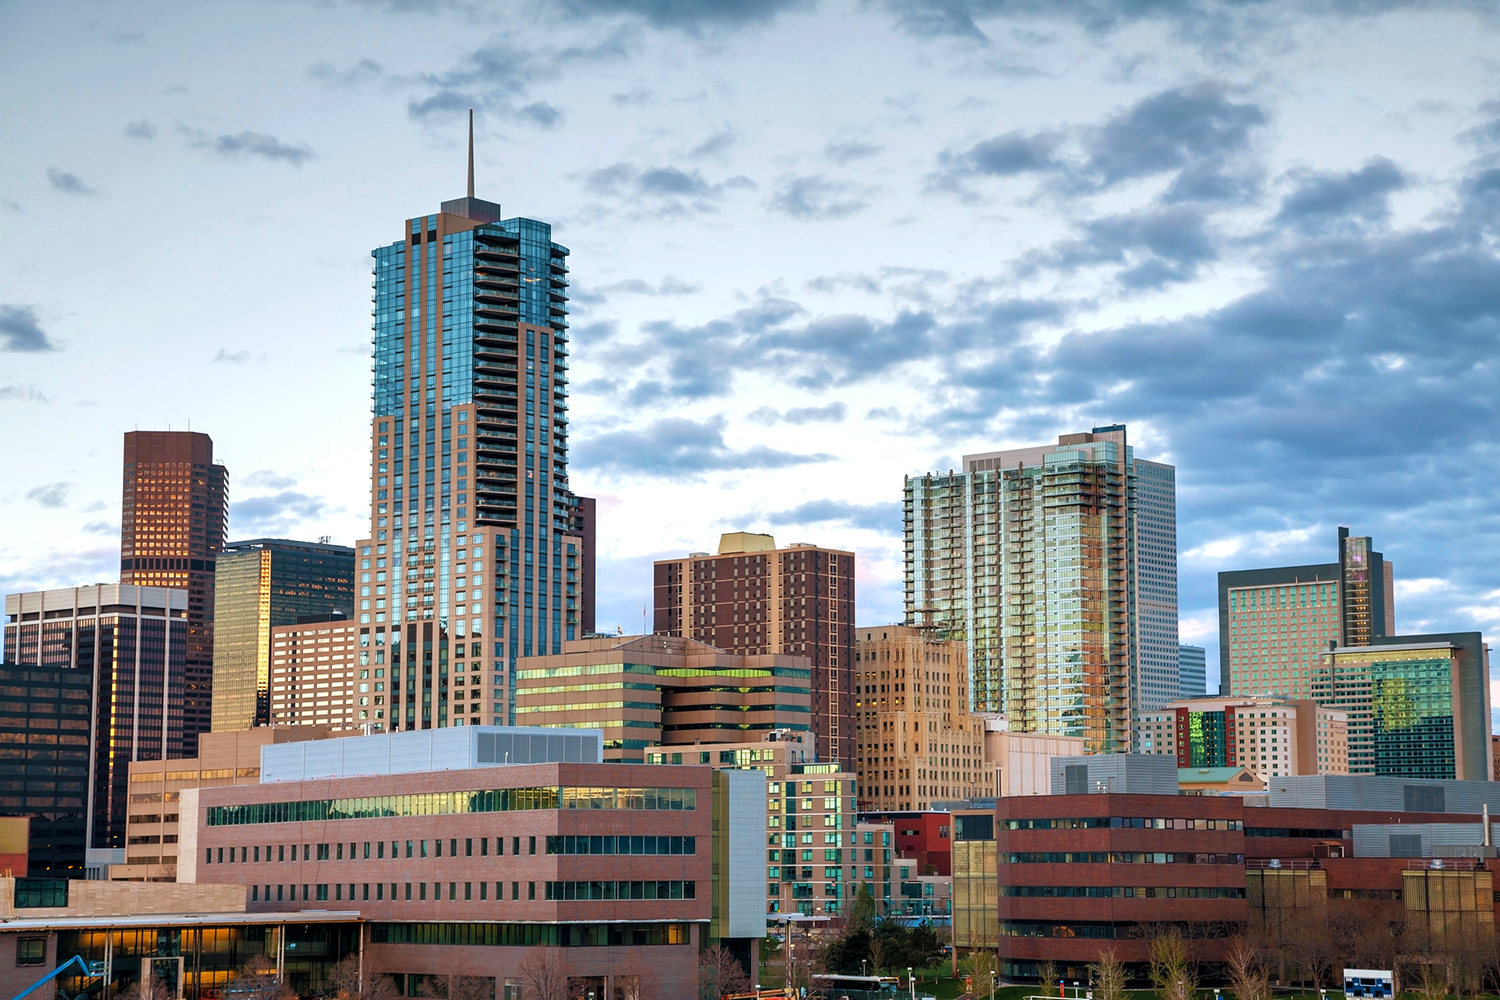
<point x="691" y="16"/>
<point x="68" y="183"/>
<point x="242" y="144"/>
<point x="140" y="130"/>
<point x="818" y="197"/>
<point x="1325" y="200"/>
<point x="276" y="513"/>
<point x="678" y="446"/>
<point x="20" y="330"/>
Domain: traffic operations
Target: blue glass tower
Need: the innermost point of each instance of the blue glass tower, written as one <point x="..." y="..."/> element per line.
<point x="476" y="553"/>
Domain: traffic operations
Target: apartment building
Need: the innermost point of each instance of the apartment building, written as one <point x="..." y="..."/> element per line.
<point x="1270" y="736"/>
<point x="321" y="675"/>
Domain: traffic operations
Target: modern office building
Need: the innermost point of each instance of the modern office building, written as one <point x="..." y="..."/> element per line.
<point x="1192" y="672"/>
<point x="918" y="742"/>
<point x="1057" y="566"/>
<point x="641" y="691"/>
<point x="1417" y="705"/>
<point x="320" y="675"/>
<point x="478" y="541"/>
<point x="1270" y="736"/>
<point x="754" y="599"/>
<point x="1275" y="624"/>
<point x="172" y="527"/>
<point x="260" y="584"/>
<point x="812" y="849"/>
<point x="44" y="724"/>
<point x="129" y="644"/>
<point x="153" y="828"/>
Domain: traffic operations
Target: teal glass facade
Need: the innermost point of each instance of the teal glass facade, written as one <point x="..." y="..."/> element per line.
<point x="1411" y="708"/>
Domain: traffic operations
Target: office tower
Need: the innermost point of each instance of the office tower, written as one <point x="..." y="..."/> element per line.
<point x="1273" y="737"/>
<point x="918" y="743"/>
<point x="318" y="677"/>
<point x="1056" y="565"/>
<point x="1418" y="705"/>
<point x="1275" y="624"/>
<point x="172" y="527"/>
<point x="642" y="691"/>
<point x="478" y="542"/>
<point x="130" y="643"/>
<point x="260" y="584"/>
<point x="754" y="599"/>
<point x="1192" y="672"/>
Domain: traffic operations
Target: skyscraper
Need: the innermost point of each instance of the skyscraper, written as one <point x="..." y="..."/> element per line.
<point x="1275" y="624"/>
<point x="129" y="644"/>
<point x="172" y="526"/>
<point x="752" y="598"/>
<point x="478" y="540"/>
<point x="1192" y="672"/>
<point x="1057" y="565"/>
<point x="260" y="584"/>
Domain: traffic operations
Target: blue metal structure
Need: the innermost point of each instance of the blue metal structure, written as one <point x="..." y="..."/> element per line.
<point x="83" y="967"/>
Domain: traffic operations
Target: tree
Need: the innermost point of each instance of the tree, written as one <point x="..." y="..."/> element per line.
<point x="457" y="988"/>
<point x="1172" y="971"/>
<point x="147" y="989"/>
<point x="257" y="980"/>
<point x="862" y="913"/>
<point x="1046" y="974"/>
<point x="980" y="966"/>
<point x="877" y="955"/>
<point x="1245" y="967"/>
<point x="637" y="980"/>
<point x="1432" y="982"/>
<point x="542" y="976"/>
<point x="1109" y="976"/>
<point x="720" y="974"/>
<point x="344" y="984"/>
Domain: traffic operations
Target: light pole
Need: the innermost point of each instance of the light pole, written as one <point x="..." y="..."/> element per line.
<point x="862" y="963"/>
<point x="911" y="978"/>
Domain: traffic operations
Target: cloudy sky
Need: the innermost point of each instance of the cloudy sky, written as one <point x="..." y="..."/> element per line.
<point x="817" y="247"/>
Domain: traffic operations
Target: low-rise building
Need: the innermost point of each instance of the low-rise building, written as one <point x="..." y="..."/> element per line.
<point x="1022" y="762"/>
<point x="1270" y="736"/>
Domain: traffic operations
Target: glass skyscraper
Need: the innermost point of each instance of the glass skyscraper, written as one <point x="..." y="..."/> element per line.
<point x="476" y="547"/>
<point x="1057" y="565"/>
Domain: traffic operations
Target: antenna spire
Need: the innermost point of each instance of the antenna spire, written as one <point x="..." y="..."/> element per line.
<point x="471" y="152"/>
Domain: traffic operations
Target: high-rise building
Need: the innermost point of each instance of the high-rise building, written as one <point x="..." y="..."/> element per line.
<point x="1273" y="737"/>
<point x="918" y="741"/>
<point x="1057" y="566"/>
<point x="319" y="675"/>
<point x="644" y="691"/>
<point x="260" y="584"/>
<point x="1275" y="624"/>
<point x="172" y="526"/>
<point x="1418" y="705"/>
<point x="1192" y="672"/>
<point x="478" y="541"/>
<point x="754" y="599"/>
<point x="44" y="724"/>
<point x="130" y="644"/>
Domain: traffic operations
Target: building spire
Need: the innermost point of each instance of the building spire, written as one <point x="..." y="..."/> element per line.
<point x="471" y="152"/>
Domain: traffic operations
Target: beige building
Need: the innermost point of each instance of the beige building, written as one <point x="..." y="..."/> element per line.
<point x="642" y="691"/>
<point x="1022" y="762"/>
<point x="1270" y="736"/>
<point x="320" y="675"/>
<point x="151" y="827"/>
<point x="918" y="741"/>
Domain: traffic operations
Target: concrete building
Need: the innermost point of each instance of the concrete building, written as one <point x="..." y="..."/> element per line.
<point x="1069" y="606"/>
<point x="260" y="584"/>
<point x="128" y="644"/>
<point x="1022" y="762"/>
<point x="1192" y="672"/>
<point x="642" y="691"/>
<point x="753" y="599"/>
<point x="172" y="526"/>
<point x="477" y="538"/>
<point x="1417" y="705"/>
<point x="1270" y="736"/>
<point x="319" y="674"/>
<point x="153" y="826"/>
<point x="1274" y="624"/>
<point x="918" y="741"/>
<point x="1113" y="774"/>
<point x="811" y="816"/>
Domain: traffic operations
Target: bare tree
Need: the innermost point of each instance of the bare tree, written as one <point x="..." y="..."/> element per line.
<point x="637" y="980"/>
<point x="720" y="974"/>
<point x="147" y="989"/>
<point x="1109" y="976"/>
<point x="257" y="980"/>
<point x="1245" y="967"/>
<point x="344" y="984"/>
<point x="457" y="988"/>
<point x="542" y="976"/>
<point x="1046" y="974"/>
<point x="1172" y="971"/>
<point x="1310" y="944"/>
<point x="877" y="954"/>
<point x="1432" y="982"/>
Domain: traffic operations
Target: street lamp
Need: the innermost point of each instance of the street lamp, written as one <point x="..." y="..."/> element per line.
<point x="912" y="979"/>
<point x="862" y="963"/>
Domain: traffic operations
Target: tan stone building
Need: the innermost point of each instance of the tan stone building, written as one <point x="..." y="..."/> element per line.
<point x="642" y="691"/>
<point x="1270" y="736"/>
<point x="320" y="676"/>
<point x="918" y="741"/>
<point x="152" y="826"/>
<point x="1022" y="762"/>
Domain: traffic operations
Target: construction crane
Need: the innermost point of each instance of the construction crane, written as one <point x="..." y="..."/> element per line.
<point x="85" y="968"/>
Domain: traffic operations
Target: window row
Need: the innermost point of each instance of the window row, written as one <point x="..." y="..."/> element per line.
<point x="452" y="803"/>
<point x="399" y="891"/>
<point x="515" y="935"/>
<point x="664" y="889"/>
<point x="1118" y="858"/>
<point x="622" y="845"/>
<point x="1122" y="823"/>
<point x="1125" y="891"/>
<point x="374" y="850"/>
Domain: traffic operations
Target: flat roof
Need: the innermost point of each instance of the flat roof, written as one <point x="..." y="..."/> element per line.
<point x="182" y="920"/>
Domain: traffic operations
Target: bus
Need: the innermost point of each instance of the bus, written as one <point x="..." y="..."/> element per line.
<point x="857" y="987"/>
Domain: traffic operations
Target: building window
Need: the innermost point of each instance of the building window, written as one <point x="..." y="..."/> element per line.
<point x="31" y="951"/>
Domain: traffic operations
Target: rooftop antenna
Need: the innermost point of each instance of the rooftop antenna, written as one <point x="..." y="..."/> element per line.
<point x="471" y="152"/>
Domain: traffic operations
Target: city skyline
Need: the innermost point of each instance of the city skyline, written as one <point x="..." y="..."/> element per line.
<point x="753" y="396"/>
